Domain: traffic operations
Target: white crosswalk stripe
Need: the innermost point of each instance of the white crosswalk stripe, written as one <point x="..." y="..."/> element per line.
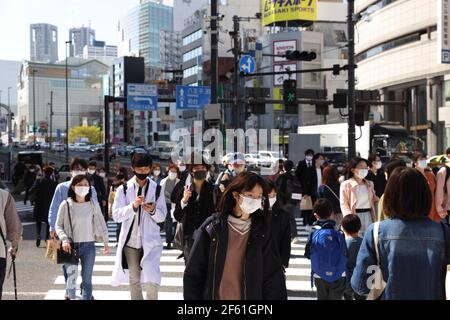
<point x="21" y="207"/>
<point x="298" y="274"/>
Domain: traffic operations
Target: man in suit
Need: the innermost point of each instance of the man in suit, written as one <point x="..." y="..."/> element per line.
<point x="305" y="170"/>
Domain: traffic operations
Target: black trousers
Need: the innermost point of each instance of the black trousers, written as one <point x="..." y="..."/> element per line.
<point x="169" y="226"/>
<point x="2" y="274"/>
<point x="188" y="243"/>
<point x="330" y="290"/>
<point x="39" y="228"/>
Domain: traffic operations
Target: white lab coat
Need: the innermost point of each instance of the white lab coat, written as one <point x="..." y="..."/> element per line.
<point x="150" y="232"/>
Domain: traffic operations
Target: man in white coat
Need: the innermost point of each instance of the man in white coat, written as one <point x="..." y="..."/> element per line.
<point x="139" y="205"/>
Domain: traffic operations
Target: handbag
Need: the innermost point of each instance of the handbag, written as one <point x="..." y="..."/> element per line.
<point x="52" y="246"/>
<point x="63" y="256"/>
<point x="178" y="241"/>
<point x="306" y="204"/>
<point x="378" y="284"/>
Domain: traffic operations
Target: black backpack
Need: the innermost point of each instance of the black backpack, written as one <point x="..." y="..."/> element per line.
<point x="293" y="185"/>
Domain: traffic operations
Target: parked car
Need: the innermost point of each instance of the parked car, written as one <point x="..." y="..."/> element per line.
<point x="337" y="159"/>
<point x="274" y="156"/>
<point x="58" y="147"/>
<point x="165" y="153"/>
<point x="153" y="152"/>
<point x="256" y="160"/>
<point x="64" y="173"/>
<point x="99" y="154"/>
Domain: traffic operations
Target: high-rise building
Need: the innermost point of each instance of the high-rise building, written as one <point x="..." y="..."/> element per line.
<point x="139" y="31"/>
<point x="106" y="54"/>
<point x="170" y="49"/>
<point x="43" y="43"/>
<point x="402" y="50"/>
<point x="81" y="37"/>
<point x="85" y="96"/>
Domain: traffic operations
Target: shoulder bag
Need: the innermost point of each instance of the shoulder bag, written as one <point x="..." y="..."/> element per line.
<point x="63" y="256"/>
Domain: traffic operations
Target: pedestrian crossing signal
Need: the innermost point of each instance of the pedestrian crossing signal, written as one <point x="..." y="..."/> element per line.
<point x="290" y="93"/>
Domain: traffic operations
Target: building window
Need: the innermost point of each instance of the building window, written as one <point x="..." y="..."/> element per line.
<point x="190" y="71"/>
<point x="192" y="54"/>
<point x="34" y="35"/>
<point x="192" y="37"/>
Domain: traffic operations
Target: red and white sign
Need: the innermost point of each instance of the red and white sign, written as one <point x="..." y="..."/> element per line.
<point x="280" y="48"/>
<point x="278" y="79"/>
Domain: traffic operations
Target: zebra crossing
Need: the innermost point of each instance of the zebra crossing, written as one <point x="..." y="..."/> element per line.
<point x="22" y="208"/>
<point x="297" y="275"/>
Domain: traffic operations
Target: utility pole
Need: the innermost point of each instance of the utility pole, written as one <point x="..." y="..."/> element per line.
<point x="236" y="52"/>
<point x="51" y="119"/>
<point x="214" y="51"/>
<point x="351" y="80"/>
<point x="34" y="108"/>
<point x="67" y="105"/>
<point x="9" y="118"/>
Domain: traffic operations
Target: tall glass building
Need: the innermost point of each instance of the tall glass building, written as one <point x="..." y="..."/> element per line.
<point x="139" y="31"/>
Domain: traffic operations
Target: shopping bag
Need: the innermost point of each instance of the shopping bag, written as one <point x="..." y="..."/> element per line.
<point x="52" y="249"/>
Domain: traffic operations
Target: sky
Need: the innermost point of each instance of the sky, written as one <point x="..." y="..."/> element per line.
<point x="17" y="15"/>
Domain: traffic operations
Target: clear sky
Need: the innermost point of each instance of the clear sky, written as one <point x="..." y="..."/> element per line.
<point x="17" y="15"/>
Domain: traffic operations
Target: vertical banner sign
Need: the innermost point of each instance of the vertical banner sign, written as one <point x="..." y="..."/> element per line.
<point x="288" y="10"/>
<point x="443" y="27"/>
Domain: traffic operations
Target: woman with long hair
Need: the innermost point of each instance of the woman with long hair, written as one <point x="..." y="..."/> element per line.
<point x="330" y="191"/>
<point x="234" y="257"/>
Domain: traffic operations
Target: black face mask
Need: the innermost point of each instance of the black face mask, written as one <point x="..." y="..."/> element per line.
<point x="200" y="175"/>
<point x="141" y="176"/>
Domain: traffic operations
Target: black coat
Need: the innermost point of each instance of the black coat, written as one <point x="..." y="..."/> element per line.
<point x="99" y="185"/>
<point x="307" y="176"/>
<point x="44" y="190"/>
<point x="263" y="274"/>
<point x="324" y="192"/>
<point x="30" y="177"/>
<point x="281" y="231"/>
<point x="195" y="213"/>
<point x="379" y="181"/>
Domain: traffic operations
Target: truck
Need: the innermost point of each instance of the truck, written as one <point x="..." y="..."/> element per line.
<point x="387" y="139"/>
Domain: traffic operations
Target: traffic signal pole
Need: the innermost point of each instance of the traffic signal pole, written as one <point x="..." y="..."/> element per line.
<point x="351" y="80"/>
<point x="236" y="51"/>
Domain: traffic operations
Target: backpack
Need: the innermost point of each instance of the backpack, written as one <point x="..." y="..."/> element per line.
<point x="158" y="191"/>
<point x="293" y="185"/>
<point x="328" y="253"/>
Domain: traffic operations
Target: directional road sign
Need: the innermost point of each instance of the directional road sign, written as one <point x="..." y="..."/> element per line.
<point x="247" y="64"/>
<point x="190" y="97"/>
<point x="142" y="97"/>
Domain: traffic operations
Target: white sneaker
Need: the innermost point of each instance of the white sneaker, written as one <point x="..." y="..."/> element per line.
<point x="296" y="240"/>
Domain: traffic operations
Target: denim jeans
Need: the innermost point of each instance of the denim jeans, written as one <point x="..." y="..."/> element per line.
<point x="86" y="251"/>
<point x="2" y="274"/>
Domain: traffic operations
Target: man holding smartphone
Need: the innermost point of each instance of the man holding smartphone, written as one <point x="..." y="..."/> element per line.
<point x="139" y="206"/>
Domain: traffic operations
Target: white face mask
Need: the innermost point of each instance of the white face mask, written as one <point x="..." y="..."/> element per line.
<point x="250" y="205"/>
<point x="378" y="165"/>
<point x="182" y="168"/>
<point x="156" y="173"/>
<point x="90" y="171"/>
<point x="422" y="164"/>
<point x="362" y="173"/>
<point x="172" y="175"/>
<point x="321" y="162"/>
<point x="81" y="191"/>
<point x="77" y="173"/>
<point x="272" y="201"/>
<point x="102" y="174"/>
<point x="309" y="158"/>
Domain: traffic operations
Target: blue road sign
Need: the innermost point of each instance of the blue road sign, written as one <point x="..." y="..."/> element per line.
<point x="247" y="64"/>
<point x="190" y="97"/>
<point x="142" y="97"/>
<point x="58" y="135"/>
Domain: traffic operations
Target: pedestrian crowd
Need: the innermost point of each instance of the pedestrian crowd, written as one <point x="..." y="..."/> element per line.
<point x="370" y="227"/>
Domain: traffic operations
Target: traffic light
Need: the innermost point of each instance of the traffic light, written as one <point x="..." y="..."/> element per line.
<point x="290" y="93"/>
<point x="300" y="56"/>
<point x="340" y="100"/>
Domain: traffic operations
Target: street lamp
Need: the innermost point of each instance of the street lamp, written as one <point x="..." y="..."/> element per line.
<point x="67" y="106"/>
<point x="34" y="107"/>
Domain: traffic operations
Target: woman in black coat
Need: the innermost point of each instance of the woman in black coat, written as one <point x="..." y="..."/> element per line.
<point x="194" y="205"/>
<point x="234" y="256"/>
<point x="281" y="226"/>
<point x="43" y="189"/>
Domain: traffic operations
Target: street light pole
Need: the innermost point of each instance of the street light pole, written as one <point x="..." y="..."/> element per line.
<point x="67" y="106"/>
<point x="351" y="80"/>
<point x="34" y="108"/>
<point x="9" y="117"/>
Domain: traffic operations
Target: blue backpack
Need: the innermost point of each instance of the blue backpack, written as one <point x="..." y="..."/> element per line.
<point x="328" y="254"/>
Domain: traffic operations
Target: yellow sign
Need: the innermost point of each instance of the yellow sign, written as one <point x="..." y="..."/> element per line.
<point x="288" y="10"/>
<point x="277" y="95"/>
